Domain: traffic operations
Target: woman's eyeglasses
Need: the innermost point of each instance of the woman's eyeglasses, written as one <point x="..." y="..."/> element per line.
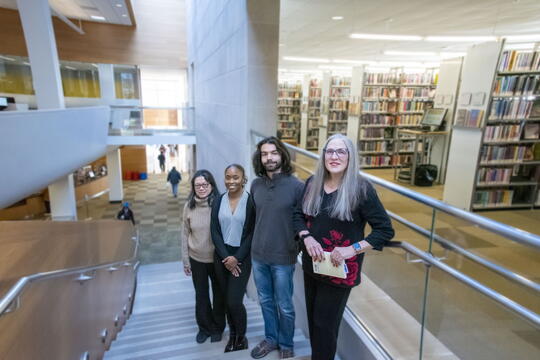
<point x="341" y="153"/>
<point x="201" y="186"/>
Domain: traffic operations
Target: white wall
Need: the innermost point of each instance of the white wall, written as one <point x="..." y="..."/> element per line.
<point x="233" y="46"/>
<point x="39" y="147"/>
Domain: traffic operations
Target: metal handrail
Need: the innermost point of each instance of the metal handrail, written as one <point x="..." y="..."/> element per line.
<point x="16" y="290"/>
<point x="509" y="232"/>
<point x="428" y="258"/>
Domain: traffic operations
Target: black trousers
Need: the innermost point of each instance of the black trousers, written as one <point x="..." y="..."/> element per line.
<point x="325" y="305"/>
<point x="210" y="316"/>
<point x="234" y="289"/>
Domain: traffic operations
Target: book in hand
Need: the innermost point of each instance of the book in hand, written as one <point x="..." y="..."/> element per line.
<point x="326" y="267"/>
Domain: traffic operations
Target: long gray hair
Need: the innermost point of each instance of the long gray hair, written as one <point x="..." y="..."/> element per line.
<point x="350" y="192"/>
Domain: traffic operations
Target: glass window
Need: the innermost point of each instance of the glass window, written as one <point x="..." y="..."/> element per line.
<point x="15" y="75"/>
<point x="126" y="82"/>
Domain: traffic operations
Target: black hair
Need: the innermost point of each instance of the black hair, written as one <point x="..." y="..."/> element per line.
<point x="207" y="175"/>
<point x="239" y="167"/>
<point x="258" y="167"/>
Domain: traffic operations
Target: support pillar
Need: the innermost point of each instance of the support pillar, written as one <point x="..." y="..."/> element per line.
<point x="114" y="175"/>
<point x="62" y="196"/>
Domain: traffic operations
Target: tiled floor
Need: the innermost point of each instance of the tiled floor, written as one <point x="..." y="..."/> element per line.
<point x="157" y="213"/>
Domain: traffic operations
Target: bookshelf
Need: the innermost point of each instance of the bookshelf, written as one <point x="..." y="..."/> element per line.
<point x="391" y="101"/>
<point x="338" y="105"/>
<point x="313" y="114"/>
<point x="289" y="111"/>
<point x="507" y="166"/>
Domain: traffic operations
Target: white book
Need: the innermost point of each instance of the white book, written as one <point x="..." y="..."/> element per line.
<point x="326" y="267"/>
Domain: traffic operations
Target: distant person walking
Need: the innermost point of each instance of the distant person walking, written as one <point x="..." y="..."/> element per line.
<point x="125" y="213"/>
<point x="161" y="158"/>
<point x="174" y="177"/>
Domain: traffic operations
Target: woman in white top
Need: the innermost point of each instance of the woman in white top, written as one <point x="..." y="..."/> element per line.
<point x="233" y="220"/>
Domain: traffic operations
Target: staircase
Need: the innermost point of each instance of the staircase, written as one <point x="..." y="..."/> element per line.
<point x="163" y="325"/>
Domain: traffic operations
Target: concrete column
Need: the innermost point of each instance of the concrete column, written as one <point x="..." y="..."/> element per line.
<point x="41" y="45"/>
<point x="106" y="83"/>
<point x="114" y="175"/>
<point x="62" y="196"/>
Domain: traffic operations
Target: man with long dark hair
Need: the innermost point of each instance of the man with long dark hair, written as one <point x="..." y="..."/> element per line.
<point x="275" y="193"/>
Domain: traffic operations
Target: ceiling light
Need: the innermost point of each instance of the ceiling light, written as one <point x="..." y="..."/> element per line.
<point x="334" y="67"/>
<point x="386" y="37"/>
<point x="26" y="63"/>
<point x="525" y="46"/>
<point x="70" y="67"/>
<point x="6" y="58"/>
<point x="95" y="17"/>
<point x="305" y="59"/>
<point x="517" y="38"/>
<point x="461" y="38"/>
<point x="124" y="15"/>
<point x="353" y="62"/>
<point x="411" y="53"/>
<point x="118" y="5"/>
<point x="337" y="17"/>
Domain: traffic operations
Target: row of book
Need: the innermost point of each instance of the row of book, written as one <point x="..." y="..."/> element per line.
<point x="314" y="103"/>
<point x="517" y="85"/>
<point x="288" y="102"/>
<point x="287" y="125"/>
<point x="337" y="127"/>
<point x="373" y="146"/>
<point x="391" y="106"/>
<point x="341" y="105"/>
<point x="494" y="175"/>
<point x="408" y="119"/>
<point x="314" y="113"/>
<point x="372" y="133"/>
<point x="337" y="116"/>
<point x="376" y="119"/>
<point x="505" y="154"/>
<point x="427" y="78"/>
<point x="515" y="60"/>
<point x="502" y="132"/>
<point x="288" y="134"/>
<point x="499" y="197"/>
<point x="340" y="92"/>
<point x="288" y="111"/>
<point x="413" y="105"/>
<point x="408" y="93"/>
<point x="378" y="92"/>
<point x="289" y="94"/>
<point x="288" y="117"/>
<point x="315" y="92"/>
<point x="384" y="160"/>
<point x="514" y="109"/>
<point x="340" y="81"/>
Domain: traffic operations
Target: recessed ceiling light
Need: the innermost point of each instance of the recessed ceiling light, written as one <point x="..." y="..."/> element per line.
<point x="70" y="67"/>
<point x="305" y="59"/>
<point x="461" y="38"/>
<point x="95" y="17"/>
<point x="118" y="5"/>
<point x="411" y="53"/>
<point x="337" y="17"/>
<point x="386" y="37"/>
<point x="124" y="15"/>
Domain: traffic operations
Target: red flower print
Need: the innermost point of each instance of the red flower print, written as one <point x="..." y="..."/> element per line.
<point x="336" y="235"/>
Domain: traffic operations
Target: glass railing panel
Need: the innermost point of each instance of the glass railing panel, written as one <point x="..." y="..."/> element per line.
<point x="472" y="326"/>
<point x="304" y="166"/>
<point x="508" y="267"/>
<point x="389" y="301"/>
<point x="134" y="120"/>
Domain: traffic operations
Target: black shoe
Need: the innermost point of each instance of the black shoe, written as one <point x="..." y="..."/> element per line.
<point x="201" y="337"/>
<point x="231" y="344"/>
<point x="241" y="343"/>
<point x="215" y="338"/>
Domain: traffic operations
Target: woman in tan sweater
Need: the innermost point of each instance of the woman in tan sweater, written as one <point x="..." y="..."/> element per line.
<point x="198" y="257"/>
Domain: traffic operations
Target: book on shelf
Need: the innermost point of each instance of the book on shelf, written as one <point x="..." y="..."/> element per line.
<point x="516" y="60"/>
<point x="535" y="109"/>
<point x="505" y="153"/>
<point x="502" y="133"/>
<point x="499" y="197"/>
<point x="517" y="85"/>
<point x="469" y="118"/>
<point x="513" y="108"/>
<point x="531" y="131"/>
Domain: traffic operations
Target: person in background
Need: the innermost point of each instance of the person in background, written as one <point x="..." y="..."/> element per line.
<point x="274" y="249"/>
<point x="331" y="217"/>
<point x="233" y="219"/>
<point x="174" y="177"/>
<point x="198" y="257"/>
<point x="161" y="159"/>
<point x="125" y="213"/>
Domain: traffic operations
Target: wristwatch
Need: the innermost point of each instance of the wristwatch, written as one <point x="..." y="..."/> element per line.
<point x="304" y="236"/>
<point x="357" y="247"/>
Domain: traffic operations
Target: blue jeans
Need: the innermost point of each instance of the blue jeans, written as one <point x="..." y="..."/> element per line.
<point x="174" y="189"/>
<point x="275" y="288"/>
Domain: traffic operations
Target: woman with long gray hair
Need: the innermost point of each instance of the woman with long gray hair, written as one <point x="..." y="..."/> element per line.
<point x="330" y="220"/>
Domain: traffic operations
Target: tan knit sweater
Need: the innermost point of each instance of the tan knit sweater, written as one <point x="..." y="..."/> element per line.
<point x="196" y="240"/>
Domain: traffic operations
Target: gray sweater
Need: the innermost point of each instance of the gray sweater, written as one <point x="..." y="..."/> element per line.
<point x="275" y="200"/>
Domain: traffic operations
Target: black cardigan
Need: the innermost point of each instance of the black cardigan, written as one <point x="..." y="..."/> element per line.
<point x="222" y="250"/>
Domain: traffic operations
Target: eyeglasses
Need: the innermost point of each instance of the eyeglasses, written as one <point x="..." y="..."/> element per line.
<point x="341" y="153"/>
<point x="202" y="186"/>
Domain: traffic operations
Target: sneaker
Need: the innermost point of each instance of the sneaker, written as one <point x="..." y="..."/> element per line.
<point x="263" y="349"/>
<point x="201" y="337"/>
<point x="286" y="353"/>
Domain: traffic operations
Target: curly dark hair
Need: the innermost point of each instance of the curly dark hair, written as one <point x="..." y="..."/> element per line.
<point x="286" y="167"/>
<point x="207" y="175"/>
